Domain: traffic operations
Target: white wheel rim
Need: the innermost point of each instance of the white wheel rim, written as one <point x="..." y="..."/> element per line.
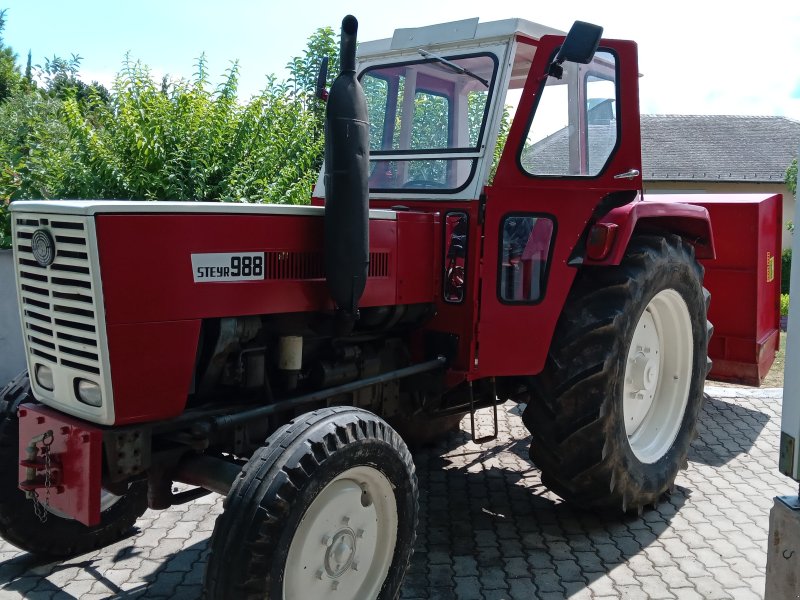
<point x="658" y="374"/>
<point x="344" y="544"/>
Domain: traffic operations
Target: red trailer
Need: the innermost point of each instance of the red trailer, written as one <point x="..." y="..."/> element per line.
<point x="281" y="355"/>
<point x="746" y="277"/>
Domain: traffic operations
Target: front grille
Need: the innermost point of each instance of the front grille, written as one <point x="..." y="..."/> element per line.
<point x="59" y="317"/>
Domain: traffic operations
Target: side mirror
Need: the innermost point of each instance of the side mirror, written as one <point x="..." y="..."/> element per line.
<point x="579" y="46"/>
<point x="322" y="78"/>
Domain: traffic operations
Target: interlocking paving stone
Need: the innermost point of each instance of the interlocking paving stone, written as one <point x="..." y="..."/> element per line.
<point x="490" y="530"/>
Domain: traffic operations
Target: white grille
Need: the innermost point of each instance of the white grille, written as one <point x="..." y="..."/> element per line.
<point x="59" y="305"/>
<point x="58" y="301"/>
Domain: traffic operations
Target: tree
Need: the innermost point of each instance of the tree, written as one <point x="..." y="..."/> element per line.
<point x="303" y="74"/>
<point x="29" y="70"/>
<point x="303" y="70"/>
<point x="791" y="176"/>
<point x="61" y="80"/>
<point x="9" y="74"/>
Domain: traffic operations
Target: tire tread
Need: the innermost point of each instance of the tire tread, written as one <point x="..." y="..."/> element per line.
<point x="264" y="493"/>
<point x="572" y="408"/>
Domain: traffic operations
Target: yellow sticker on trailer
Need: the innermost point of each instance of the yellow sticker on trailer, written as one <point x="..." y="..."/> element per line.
<point x="770" y="267"/>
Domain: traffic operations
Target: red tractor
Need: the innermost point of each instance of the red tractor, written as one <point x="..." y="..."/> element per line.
<point x="262" y="351"/>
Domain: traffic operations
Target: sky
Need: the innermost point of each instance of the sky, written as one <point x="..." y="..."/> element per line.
<point x="696" y="57"/>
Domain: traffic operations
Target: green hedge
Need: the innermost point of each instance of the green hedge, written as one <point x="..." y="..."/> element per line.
<point x="184" y="139"/>
<point x="786" y="270"/>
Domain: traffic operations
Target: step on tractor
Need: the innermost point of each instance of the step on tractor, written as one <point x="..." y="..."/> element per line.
<point x="456" y="254"/>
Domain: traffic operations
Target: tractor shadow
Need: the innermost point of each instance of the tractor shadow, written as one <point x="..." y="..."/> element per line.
<point x="178" y="576"/>
<point x="486" y="521"/>
<point x="725" y="431"/>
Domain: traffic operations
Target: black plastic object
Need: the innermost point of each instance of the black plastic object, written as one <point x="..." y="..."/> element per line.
<point x="346" y="181"/>
<point x="322" y="79"/>
<point x="579" y="46"/>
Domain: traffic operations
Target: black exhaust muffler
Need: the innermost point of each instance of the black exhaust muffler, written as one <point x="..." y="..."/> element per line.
<point x="346" y="181"/>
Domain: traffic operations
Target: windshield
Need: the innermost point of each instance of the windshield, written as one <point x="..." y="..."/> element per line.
<point x="427" y="120"/>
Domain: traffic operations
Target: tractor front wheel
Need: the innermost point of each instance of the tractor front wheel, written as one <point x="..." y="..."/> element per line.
<point x="615" y="410"/>
<point x="327" y="508"/>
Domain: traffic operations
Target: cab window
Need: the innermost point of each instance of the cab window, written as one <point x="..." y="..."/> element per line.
<point x="575" y="130"/>
<point x="525" y="243"/>
<point x="427" y="121"/>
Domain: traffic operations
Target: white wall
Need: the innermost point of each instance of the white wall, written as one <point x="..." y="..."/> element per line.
<point x="12" y="353"/>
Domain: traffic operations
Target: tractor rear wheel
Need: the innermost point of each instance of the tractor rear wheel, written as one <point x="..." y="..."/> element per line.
<point x="58" y="536"/>
<point x="615" y="409"/>
<point x="327" y="508"/>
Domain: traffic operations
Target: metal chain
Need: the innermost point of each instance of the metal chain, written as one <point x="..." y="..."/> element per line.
<point x="39" y="509"/>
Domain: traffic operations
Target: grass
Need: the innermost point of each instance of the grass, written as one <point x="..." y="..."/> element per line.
<point x="775" y="376"/>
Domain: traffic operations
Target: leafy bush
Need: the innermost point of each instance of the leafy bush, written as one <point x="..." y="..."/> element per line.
<point x="784" y="305"/>
<point x="32" y="138"/>
<point x="184" y="141"/>
<point x="5" y="226"/>
<point x="167" y="140"/>
<point x="786" y="270"/>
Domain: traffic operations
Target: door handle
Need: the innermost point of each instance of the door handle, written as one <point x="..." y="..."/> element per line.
<point x="629" y="174"/>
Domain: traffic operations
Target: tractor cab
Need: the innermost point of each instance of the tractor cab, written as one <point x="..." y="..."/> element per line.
<point x="513" y="136"/>
<point x="527" y="145"/>
<point x="441" y="99"/>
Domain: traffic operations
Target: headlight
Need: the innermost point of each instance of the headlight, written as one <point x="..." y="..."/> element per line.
<point x="88" y="392"/>
<point x="44" y="377"/>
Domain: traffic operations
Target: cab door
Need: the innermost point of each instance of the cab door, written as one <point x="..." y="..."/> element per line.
<point x="573" y="141"/>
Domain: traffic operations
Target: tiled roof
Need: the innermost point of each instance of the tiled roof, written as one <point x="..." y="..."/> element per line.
<point x="717" y="147"/>
<point x="550" y="156"/>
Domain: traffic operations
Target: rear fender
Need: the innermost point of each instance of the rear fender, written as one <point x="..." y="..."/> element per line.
<point x="689" y="221"/>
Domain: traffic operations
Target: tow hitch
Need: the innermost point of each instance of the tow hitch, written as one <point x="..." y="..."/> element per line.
<point x="60" y="464"/>
<point x="39" y="459"/>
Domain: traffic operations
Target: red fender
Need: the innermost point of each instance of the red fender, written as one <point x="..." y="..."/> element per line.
<point x="687" y="220"/>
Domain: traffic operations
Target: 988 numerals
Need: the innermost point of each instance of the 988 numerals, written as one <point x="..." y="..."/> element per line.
<point x="247" y="266"/>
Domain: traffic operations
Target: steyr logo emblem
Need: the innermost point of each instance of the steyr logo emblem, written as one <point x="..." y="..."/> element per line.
<point x="43" y="247"/>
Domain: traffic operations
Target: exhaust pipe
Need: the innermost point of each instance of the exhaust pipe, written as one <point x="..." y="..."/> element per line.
<point x="346" y="182"/>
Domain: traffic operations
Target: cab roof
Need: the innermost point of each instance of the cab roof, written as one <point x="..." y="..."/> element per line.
<point x="455" y="32"/>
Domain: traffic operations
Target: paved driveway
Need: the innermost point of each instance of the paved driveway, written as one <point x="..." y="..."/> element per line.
<point x="489" y="529"/>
